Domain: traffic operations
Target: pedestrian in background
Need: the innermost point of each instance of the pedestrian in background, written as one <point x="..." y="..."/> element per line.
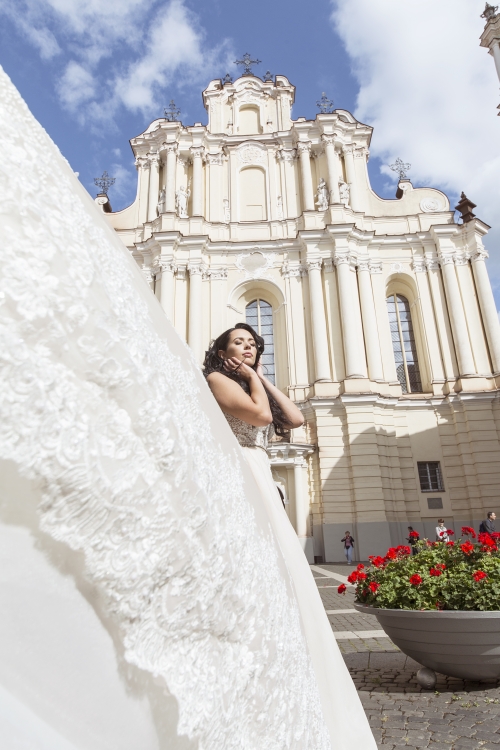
<point x="348" y="546"/>
<point x="412" y="539"/>
<point x="488" y="526"/>
<point x="441" y="532"/>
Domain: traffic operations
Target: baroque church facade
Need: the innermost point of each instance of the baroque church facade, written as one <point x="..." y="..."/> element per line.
<point x="378" y="315"/>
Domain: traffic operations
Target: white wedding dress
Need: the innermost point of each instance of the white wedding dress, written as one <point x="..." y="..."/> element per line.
<point x="153" y="594"/>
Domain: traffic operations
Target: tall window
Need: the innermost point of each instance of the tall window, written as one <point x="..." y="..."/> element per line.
<point x="403" y="344"/>
<point x="259" y="315"/>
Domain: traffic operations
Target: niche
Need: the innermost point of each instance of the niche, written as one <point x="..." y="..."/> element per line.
<point x="249" y="120"/>
<point x="253" y="194"/>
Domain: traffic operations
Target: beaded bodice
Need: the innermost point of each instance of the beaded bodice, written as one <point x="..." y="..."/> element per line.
<point x="248" y="435"/>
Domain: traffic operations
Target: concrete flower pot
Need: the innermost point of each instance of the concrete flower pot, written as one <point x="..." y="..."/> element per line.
<point x="454" y="643"/>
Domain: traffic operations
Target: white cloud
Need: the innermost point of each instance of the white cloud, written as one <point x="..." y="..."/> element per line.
<point x="431" y="94"/>
<point x="76" y="86"/>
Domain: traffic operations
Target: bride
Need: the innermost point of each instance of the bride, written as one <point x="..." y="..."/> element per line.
<point x="254" y="409"/>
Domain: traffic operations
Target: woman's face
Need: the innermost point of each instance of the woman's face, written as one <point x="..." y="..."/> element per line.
<point x="241" y="345"/>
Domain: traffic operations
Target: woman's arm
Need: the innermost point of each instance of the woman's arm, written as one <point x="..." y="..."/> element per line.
<point x="253" y="409"/>
<point x="292" y="413"/>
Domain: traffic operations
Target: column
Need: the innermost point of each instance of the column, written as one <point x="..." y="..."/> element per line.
<point x="432" y="343"/>
<point x="495" y="51"/>
<point x="168" y="269"/>
<point x="350" y="174"/>
<point x="488" y="307"/>
<point x="197" y="187"/>
<point x="142" y="165"/>
<point x="301" y="504"/>
<point x="458" y="322"/>
<point x="170" y="168"/>
<point x="304" y="150"/>
<point x="154" y="185"/>
<point x="318" y="321"/>
<point x="332" y="161"/>
<point x="370" y="329"/>
<point x="354" y="365"/>
<point x="195" y="309"/>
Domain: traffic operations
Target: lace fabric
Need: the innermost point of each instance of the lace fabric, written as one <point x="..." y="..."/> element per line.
<point x="103" y="405"/>
<point x="249" y="436"/>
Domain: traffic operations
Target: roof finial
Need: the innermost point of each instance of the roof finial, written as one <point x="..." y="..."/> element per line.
<point x="247" y="63"/>
<point x="401" y="168"/>
<point x="325" y="105"/>
<point x="104" y="182"/>
<point x="489" y="12"/>
<point x="465" y="207"/>
<point x="172" y="112"/>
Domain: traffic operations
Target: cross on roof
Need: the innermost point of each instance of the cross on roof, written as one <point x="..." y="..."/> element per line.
<point x="247" y="62"/>
<point x="104" y="182"/>
<point x="325" y="105"/>
<point x="401" y="168"/>
<point x="171" y="112"/>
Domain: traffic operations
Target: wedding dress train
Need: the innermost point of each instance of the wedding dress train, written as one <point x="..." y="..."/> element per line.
<point x="151" y="595"/>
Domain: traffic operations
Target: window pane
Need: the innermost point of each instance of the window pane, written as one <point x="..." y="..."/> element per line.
<point x="259" y="314"/>
<point x="403" y="344"/>
<point x="429" y="473"/>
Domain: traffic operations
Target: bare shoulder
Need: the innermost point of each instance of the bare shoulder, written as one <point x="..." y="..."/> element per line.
<point x="219" y="383"/>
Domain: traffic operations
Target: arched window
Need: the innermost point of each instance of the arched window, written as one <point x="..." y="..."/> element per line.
<point x="259" y="315"/>
<point x="403" y="344"/>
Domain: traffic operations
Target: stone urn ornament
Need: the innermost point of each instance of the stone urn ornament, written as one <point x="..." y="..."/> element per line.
<point x="440" y="606"/>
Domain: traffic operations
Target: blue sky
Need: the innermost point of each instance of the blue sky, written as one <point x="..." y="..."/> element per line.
<point x="95" y="74"/>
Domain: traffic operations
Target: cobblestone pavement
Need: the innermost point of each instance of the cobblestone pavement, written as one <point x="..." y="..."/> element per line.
<point x="457" y="715"/>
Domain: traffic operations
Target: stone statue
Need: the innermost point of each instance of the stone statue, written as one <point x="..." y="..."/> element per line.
<point x="160" y="208"/>
<point x="322" y="196"/>
<point x="344" y="193"/>
<point x="181" y="201"/>
<point x="279" y="206"/>
<point x="227" y="211"/>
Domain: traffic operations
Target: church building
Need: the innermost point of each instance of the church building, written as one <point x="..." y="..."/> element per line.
<point x="378" y="315"/>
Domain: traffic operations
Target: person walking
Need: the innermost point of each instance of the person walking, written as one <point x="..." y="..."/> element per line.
<point x="412" y="539"/>
<point x="441" y="532"/>
<point x="348" y="546"/>
<point x="488" y="526"/>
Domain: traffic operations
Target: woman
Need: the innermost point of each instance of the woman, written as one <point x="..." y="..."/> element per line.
<point x="255" y="409"/>
<point x="441" y="531"/>
<point x="348" y="546"/>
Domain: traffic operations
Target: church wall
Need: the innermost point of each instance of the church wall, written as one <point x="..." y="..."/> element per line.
<point x="363" y="438"/>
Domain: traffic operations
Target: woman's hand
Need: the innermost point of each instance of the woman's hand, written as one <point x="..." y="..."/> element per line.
<point x="235" y="365"/>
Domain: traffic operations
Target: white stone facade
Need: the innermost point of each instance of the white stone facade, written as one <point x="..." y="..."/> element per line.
<point x="256" y="205"/>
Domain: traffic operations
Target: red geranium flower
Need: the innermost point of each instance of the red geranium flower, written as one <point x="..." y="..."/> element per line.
<point x="414" y="535"/>
<point x="435" y="572"/>
<point x="403" y="549"/>
<point x="373" y="586"/>
<point x="442" y="533"/>
<point x="468" y="531"/>
<point x="377" y="561"/>
<point x="450" y="544"/>
<point x="478" y="575"/>
<point x="415" y="579"/>
<point x="391" y="554"/>
<point x="360" y="566"/>
<point x="450" y="532"/>
<point x="353" y="577"/>
<point x="495" y="534"/>
<point x="341" y="589"/>
<point x="467" y="548"/>
<point x="361" y="576"/>
<point x="441" y="566"/>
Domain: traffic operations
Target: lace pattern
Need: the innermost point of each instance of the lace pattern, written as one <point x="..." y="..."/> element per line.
<point x="107" y="414"/>
<point x="248" y="435"/>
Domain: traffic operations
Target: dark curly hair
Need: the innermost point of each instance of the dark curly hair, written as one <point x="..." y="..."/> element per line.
<point x="214" y="363"/>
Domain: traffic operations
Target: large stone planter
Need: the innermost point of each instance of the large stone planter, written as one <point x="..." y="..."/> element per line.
<point x="459" y="644"/>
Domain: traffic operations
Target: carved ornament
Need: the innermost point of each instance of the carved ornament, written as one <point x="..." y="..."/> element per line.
<point x="249" y="154"/>
<point x="255" y="265"/>
<point x="431" y="205"/>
